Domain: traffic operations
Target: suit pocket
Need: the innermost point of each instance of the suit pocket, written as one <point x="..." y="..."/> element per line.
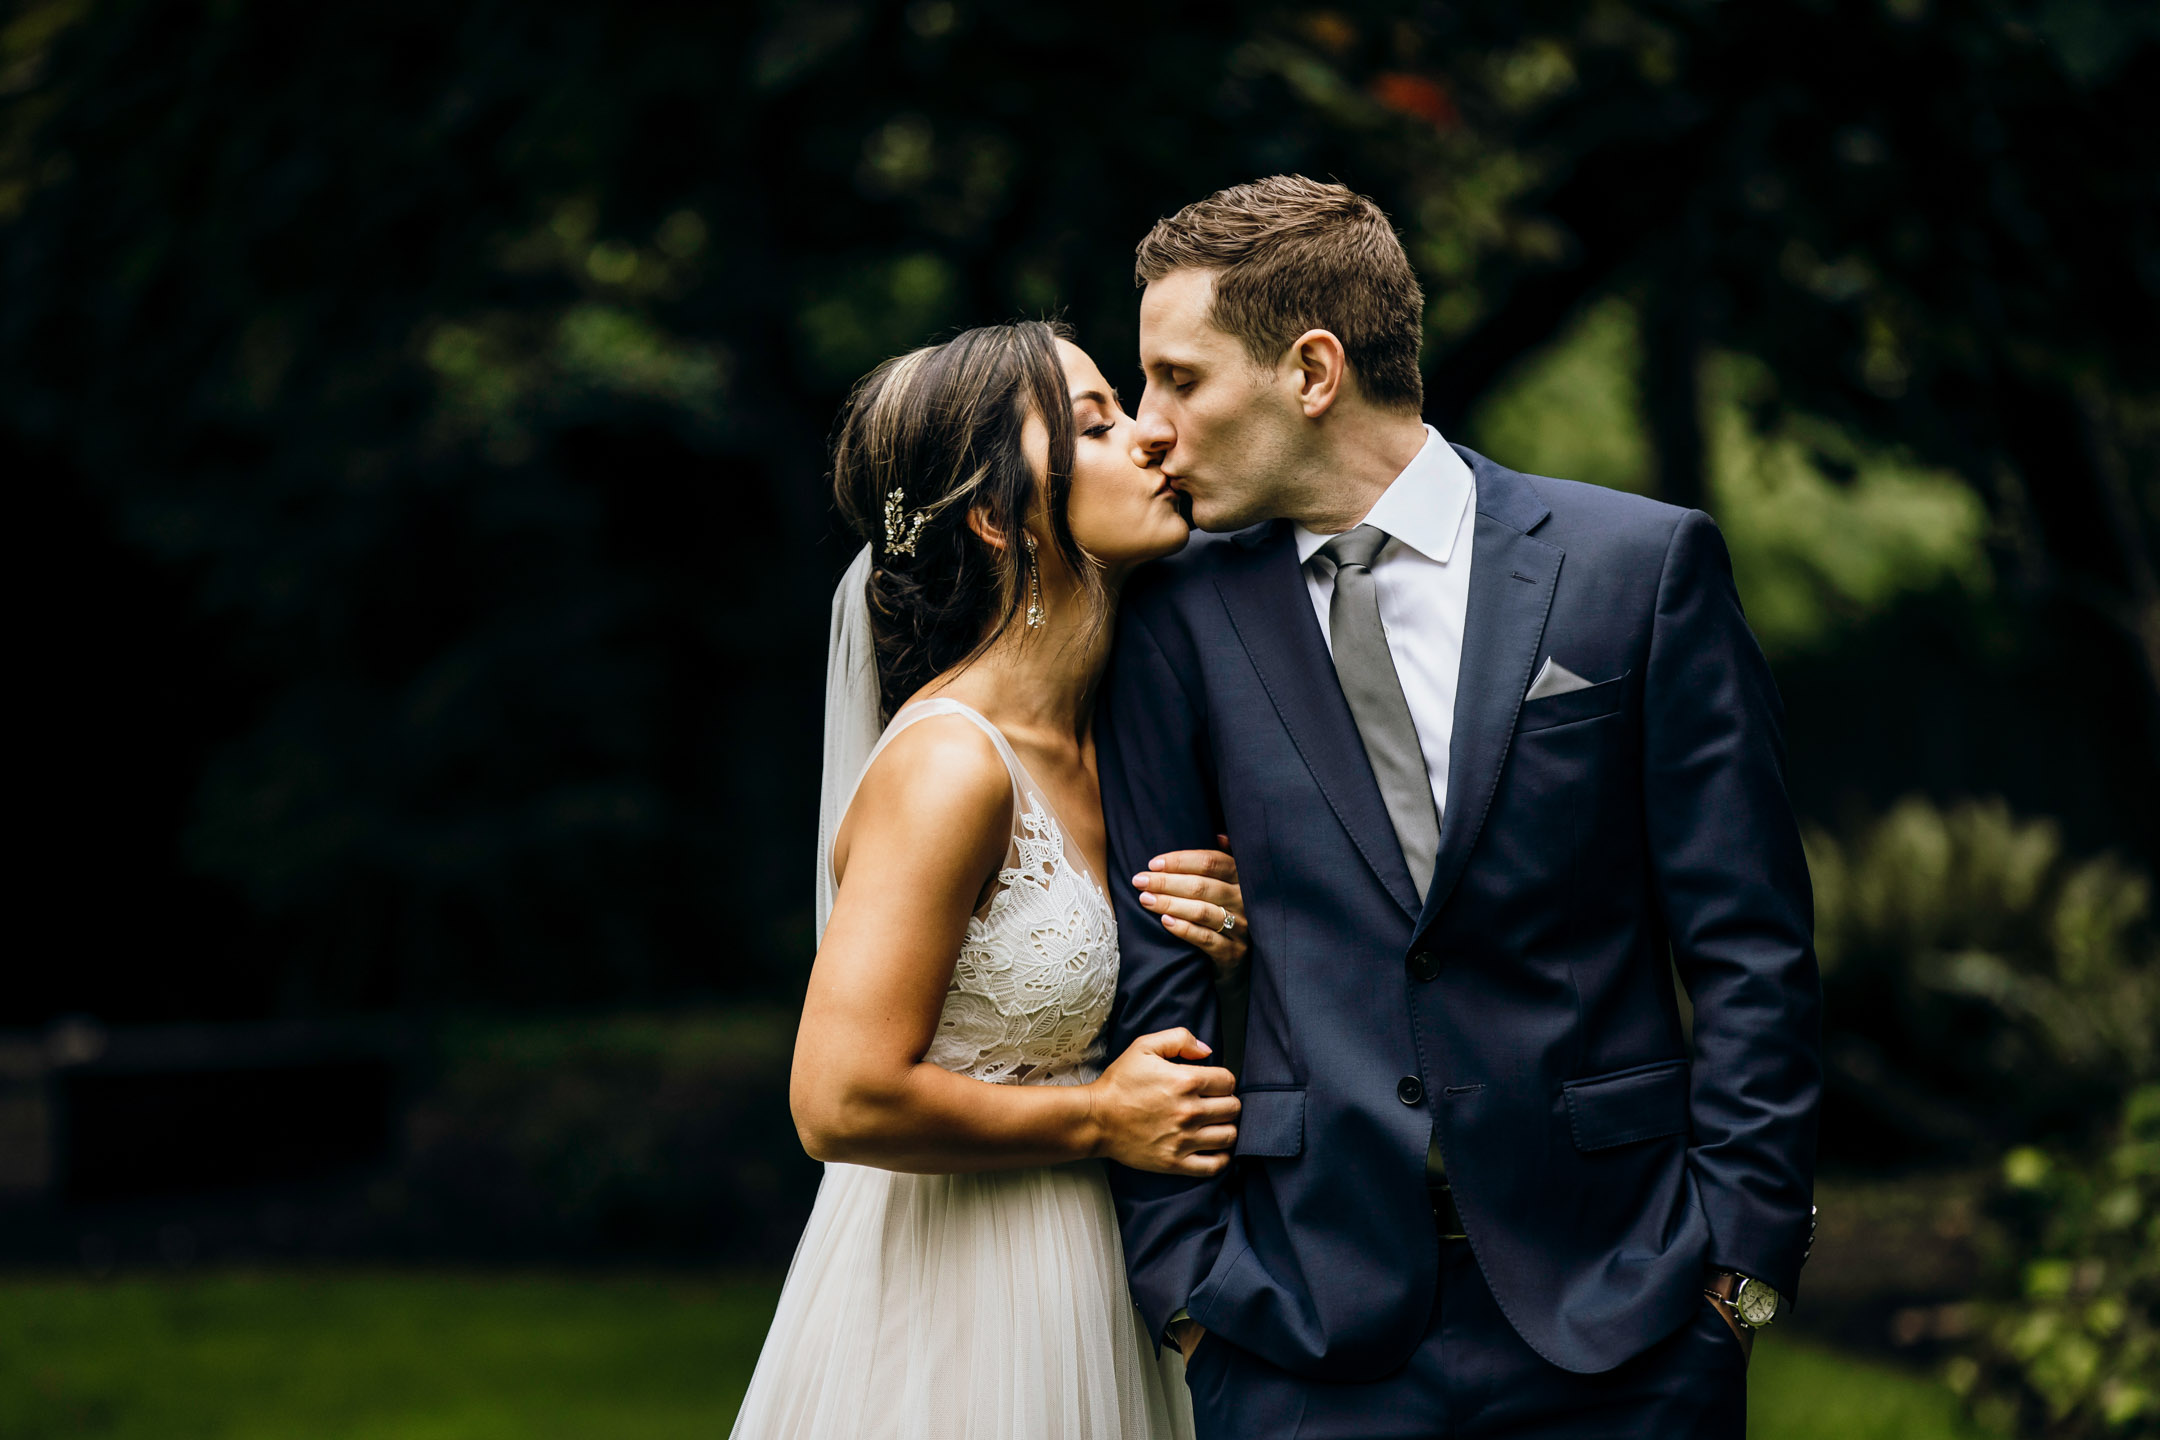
<point x="1271" y="1123"/>
<point x="1585" y="704"/>
<point x="1728" y="1334"/>
<point x="1620" y="1108"/>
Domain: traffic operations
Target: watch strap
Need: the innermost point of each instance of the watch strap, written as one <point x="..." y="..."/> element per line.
<point x="1720" y="1290"/>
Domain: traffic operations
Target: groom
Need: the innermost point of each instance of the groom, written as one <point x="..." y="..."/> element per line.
<point x="1499" y="756"/>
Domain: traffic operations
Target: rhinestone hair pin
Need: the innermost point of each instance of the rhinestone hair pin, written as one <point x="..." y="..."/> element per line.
<point x="902" y="530"/>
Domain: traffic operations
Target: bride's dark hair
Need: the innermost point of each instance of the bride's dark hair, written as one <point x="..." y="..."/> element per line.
<point x="926" y="439"/>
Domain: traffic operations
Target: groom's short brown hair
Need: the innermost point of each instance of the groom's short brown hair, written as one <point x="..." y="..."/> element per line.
<point x="1292" y="255"/>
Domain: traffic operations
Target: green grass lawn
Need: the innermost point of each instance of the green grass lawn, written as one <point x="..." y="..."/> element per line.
<point x="1801" y="1391"/>
<point x="432" y="1356"/>
<point x="377" y="1356"/>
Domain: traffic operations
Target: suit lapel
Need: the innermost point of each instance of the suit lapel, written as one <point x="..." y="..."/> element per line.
<point x="1272" y="613"/>
<point x="1512" y="577"/>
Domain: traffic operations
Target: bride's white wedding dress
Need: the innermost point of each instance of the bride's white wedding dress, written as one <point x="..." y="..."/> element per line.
<point x="989" y="1306"/>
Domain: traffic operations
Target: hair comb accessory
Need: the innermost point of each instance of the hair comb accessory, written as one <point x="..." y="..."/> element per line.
<point x="902" y="530"/>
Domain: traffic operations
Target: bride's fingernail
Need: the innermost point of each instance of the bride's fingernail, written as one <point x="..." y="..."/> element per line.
<point x="1157" y="864"/>
<point x="1140" y="880"/>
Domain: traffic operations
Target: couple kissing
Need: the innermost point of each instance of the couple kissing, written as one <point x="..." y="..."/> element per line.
<point x="1245" y="996"/>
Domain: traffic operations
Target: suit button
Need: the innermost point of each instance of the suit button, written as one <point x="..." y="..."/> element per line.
<point x="1409" y="1090"/>
<point x="1425" y="965"/>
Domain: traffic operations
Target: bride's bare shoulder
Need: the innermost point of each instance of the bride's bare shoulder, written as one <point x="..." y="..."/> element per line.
<point x="946" y="754"/>
<point x="940" y="785"/>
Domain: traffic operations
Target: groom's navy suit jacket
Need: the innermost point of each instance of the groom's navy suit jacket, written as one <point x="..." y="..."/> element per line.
<point x="1524" y="1016"/>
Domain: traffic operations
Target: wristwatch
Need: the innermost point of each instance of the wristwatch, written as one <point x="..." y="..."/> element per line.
<point x="1757" y="1303"/>
<point x="1754" y="1303"/>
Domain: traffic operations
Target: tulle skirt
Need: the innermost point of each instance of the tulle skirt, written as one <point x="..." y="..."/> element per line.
<point x="962" y="1307"/>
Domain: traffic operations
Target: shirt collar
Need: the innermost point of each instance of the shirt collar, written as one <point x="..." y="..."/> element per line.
<point x="1422" y="507"/>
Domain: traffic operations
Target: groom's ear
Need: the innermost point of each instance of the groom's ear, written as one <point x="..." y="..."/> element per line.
<point x="1316" y="366"/>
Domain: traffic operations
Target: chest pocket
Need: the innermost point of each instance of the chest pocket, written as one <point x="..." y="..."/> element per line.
<point x="1585" y="704"/>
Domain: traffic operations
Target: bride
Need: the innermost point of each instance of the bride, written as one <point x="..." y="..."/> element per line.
<point x="961" y="1274"/>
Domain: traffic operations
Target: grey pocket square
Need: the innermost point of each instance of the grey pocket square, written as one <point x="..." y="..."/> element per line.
<point x="1553" y="678"/>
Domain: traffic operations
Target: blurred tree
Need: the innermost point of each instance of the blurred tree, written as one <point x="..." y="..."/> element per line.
<point x="473" y="371"/>
<point x="1827" y="531"/>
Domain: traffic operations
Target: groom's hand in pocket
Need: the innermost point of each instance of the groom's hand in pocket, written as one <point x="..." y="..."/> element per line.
<point x="1152" y="1112"/>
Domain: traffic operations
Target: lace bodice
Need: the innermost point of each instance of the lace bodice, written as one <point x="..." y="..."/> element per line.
<point x="1032" y="985"/>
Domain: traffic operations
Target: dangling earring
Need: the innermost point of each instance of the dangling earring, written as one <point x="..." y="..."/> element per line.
<point x="1035" y="616"/>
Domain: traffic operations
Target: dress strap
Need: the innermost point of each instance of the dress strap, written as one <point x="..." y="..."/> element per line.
<point x="921" y="710"/>
<point x="925" y="709"/>
<point x="1027" y="795"/>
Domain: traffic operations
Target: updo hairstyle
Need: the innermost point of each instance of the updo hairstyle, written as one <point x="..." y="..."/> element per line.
<point x="925" y="439"/>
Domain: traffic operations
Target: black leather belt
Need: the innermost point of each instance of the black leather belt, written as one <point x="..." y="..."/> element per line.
<point x="1447" y="1220"/>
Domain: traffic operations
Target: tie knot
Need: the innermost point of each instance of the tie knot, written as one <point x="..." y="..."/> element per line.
<point x="1356" y="547"/>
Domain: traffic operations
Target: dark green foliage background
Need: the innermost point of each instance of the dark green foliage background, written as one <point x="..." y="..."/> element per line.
<point x="415" y="414"/>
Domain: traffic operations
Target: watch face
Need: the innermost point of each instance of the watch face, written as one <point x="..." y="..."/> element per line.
<point x="1757" y="1303"/>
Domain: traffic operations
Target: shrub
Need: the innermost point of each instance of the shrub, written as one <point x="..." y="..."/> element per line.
<point x="649" y="1136"/>
<point x="2069" y="1347"/>
<point x="1983" y="989"/>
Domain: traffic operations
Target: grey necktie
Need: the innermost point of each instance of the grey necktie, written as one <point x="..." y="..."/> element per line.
<point x="1375" y="693"/>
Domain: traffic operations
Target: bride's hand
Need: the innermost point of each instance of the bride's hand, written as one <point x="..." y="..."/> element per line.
<point x="1193" y="891"/>
<point x="1152" y="1113"/>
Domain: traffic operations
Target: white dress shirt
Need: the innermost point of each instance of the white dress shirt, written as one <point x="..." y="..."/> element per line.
<point x="1422" y="577"/>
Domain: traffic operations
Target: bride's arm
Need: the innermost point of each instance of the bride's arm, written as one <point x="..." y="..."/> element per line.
<point x="927" y="831"/>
